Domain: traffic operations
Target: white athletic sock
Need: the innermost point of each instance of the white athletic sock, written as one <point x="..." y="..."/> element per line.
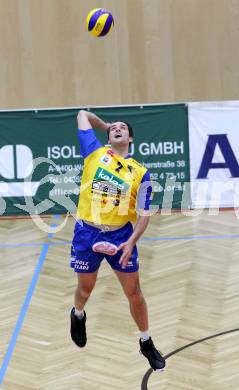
<point x="79" y="314"/>
<point x="144" y="336"/>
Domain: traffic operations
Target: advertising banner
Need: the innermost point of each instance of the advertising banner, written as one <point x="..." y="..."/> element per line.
<point x="214" y="154"/>
<point x="41" y="164"/>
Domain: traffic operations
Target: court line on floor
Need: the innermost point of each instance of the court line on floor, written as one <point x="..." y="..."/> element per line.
<point x="25" y="307"/>
<point x="144" y="384"/>
<point x="34" y="244"/>
<point x="176" y="238"/>
<point x="209" y="237"/>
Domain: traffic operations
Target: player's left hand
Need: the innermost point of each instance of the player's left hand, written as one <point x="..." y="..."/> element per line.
<point x="127" y="248"/>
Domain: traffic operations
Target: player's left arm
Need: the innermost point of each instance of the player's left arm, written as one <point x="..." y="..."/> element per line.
<point x="128" y="246"/>
<point x="144" y="200"/>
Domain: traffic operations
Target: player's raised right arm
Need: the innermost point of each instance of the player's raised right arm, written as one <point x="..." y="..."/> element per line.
<point x="87" y="120"/>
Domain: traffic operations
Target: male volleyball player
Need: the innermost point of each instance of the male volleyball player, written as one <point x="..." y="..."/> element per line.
<point x="110" y="186"/>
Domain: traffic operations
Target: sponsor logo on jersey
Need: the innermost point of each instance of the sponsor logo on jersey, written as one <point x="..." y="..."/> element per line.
<point x="105" y="159"/>
<point x="104" y="175"/>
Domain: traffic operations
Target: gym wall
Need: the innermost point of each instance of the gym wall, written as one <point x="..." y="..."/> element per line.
<point x="160" y="51"/>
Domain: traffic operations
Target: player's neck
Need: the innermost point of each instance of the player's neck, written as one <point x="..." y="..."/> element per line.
<point x="123" y="151"/>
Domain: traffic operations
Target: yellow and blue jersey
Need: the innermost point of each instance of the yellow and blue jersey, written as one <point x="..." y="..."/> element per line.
<point x="111" y="186"/>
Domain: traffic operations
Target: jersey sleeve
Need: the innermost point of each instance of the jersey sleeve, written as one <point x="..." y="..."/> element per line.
<point x="144" y="196"/>
<point x="88" y="142"/>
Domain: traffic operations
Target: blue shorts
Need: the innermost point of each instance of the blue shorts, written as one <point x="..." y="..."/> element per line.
<point x="85" y="260"/>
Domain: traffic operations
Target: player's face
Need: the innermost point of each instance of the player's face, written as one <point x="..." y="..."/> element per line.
<point x="119" y="134"/>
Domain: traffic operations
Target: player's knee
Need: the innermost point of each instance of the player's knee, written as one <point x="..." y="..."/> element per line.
<point x="134" y="293"/>
<point x="86" y="290"/>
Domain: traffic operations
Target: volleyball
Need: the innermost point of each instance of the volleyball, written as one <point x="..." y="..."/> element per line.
<point x="99" y="22"/>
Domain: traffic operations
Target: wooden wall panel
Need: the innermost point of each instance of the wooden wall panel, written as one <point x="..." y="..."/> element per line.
<point x="160" y="51"/>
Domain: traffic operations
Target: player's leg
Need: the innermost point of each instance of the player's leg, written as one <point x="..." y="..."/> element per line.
<point x="129" y="279"/>
<point x="85" y="264"/>
<point x="138" y="308"/>
<point x="86" y="283"/>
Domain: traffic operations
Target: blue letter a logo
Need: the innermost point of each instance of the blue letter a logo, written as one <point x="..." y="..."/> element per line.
<point x="230" y="160"/>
